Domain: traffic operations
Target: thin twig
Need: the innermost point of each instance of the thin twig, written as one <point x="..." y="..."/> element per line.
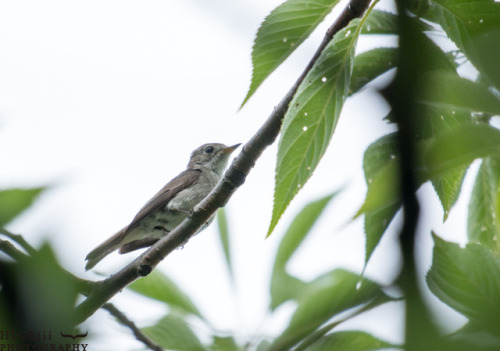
<point x="9" y="249"/>
<point x="139" y="335"/>
<point x="234" y="177"/>
<point x="18" y="239"/>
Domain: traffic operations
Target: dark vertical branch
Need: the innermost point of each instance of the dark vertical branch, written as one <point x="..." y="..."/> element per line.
<point x="419" y="330"/>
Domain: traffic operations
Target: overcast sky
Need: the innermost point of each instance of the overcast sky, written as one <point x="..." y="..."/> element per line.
<point x="105" y="100"/>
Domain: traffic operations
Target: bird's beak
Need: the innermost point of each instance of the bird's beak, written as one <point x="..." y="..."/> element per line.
<point x="230" y="149"/>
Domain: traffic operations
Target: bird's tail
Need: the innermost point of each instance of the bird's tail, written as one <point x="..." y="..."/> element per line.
<point x="101" y="251"/>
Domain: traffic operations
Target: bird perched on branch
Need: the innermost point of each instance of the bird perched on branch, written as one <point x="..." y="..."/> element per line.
<point x="171" y="205"/>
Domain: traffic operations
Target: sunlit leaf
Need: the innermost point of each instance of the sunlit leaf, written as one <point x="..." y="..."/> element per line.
<point x="483" y="225"/>
<point x="333" y="293"/>
<point x="173" y="333"/>
<point x="312" y="117"/>
<point x="286" y="27"/>
<point x="223" y="229"/>
<point x="468" y="280"/>
<point x="371" y="64"/>
<point x="15" y="201"/>
<point x="159" y="287"/>
<point x="350" y="340"/>
<point x="283" y="286"/>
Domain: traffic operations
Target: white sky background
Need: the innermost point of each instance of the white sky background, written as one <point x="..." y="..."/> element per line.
<point x="105" y="100"/>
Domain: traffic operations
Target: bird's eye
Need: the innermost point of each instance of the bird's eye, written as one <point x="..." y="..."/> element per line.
<point x="209" y="149"/>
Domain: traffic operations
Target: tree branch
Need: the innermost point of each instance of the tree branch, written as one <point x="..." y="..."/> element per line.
<point x="9" y="249"/>
<point x="401" y="95"/>
<point x="18" y="239"/>
<point x="233" y="178"/>
<point x="139" y="335"/>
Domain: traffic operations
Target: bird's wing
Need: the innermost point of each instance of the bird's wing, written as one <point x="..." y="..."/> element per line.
<point x="172" y="188"/>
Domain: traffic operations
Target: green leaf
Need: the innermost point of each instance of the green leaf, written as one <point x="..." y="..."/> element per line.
<point x="45" y="294"/>
<point x="311" y="119"/>
<point x="460" y="146"/>
<point x="350" y="340"/>
<point x="15" y="201"/>
<point x="483" y="225"/>
<point x="329" y="295"/>
<point x="382" y="22"/>
<point x="226" y="343"/>
<point x="435" y="121"/>
<point x="159" y="287"/>
<point x="286" y="27"/>
<point x="448" y="186"/>
<point x="173" y="333"/>
<point x="468" y="280"/>
<point x="380" y="165"/>
<point x="446" y="89"/>
<point x="371" y="64"/>
<point x="283" y="286"/>
<point x="474" y="26"/>
<point x="223" y="229"/>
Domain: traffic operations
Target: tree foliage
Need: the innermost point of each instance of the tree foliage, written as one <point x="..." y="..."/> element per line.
<point x="451" y="126"/>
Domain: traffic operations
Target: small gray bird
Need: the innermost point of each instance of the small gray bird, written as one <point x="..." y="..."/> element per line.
<point x="171" y="205"/>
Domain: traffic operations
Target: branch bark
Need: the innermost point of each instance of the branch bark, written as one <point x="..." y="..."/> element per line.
<point x="234" y="177"/>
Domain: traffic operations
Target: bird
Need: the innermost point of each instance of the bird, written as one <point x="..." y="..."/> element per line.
<point x="171" y="205"/>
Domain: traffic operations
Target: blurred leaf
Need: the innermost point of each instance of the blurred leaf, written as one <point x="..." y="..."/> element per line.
<point x="448" y="89"/>
<point x="380" y="165"/>
<point x="284" y="287"/>
<point x="483" y="225"/>
<point x="472" y="336"/>
<point x="468" y="280"/>
<point x="474" y="26"/>
<point x="382" y="22"/>
<point x="224" y="344"/>
<point x="327" y="296"/>
<point x="371" y="64"/>
<point x="350" y="340"/>
<point x="311" y="119"/>
<point x="486" y="46"/>
<point x="299" y="229"/>
<point x="159" y="287"/>
<point x="459" y="147"/>
<point x="223" y="229"/>
<point x="264" y="345"/>
<point x="286" y="27"/>
<point x="45" y="294"/>
<point x="15" y="201"/>
<point x="173" y="333"/>
<point x="435" y="121"/>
